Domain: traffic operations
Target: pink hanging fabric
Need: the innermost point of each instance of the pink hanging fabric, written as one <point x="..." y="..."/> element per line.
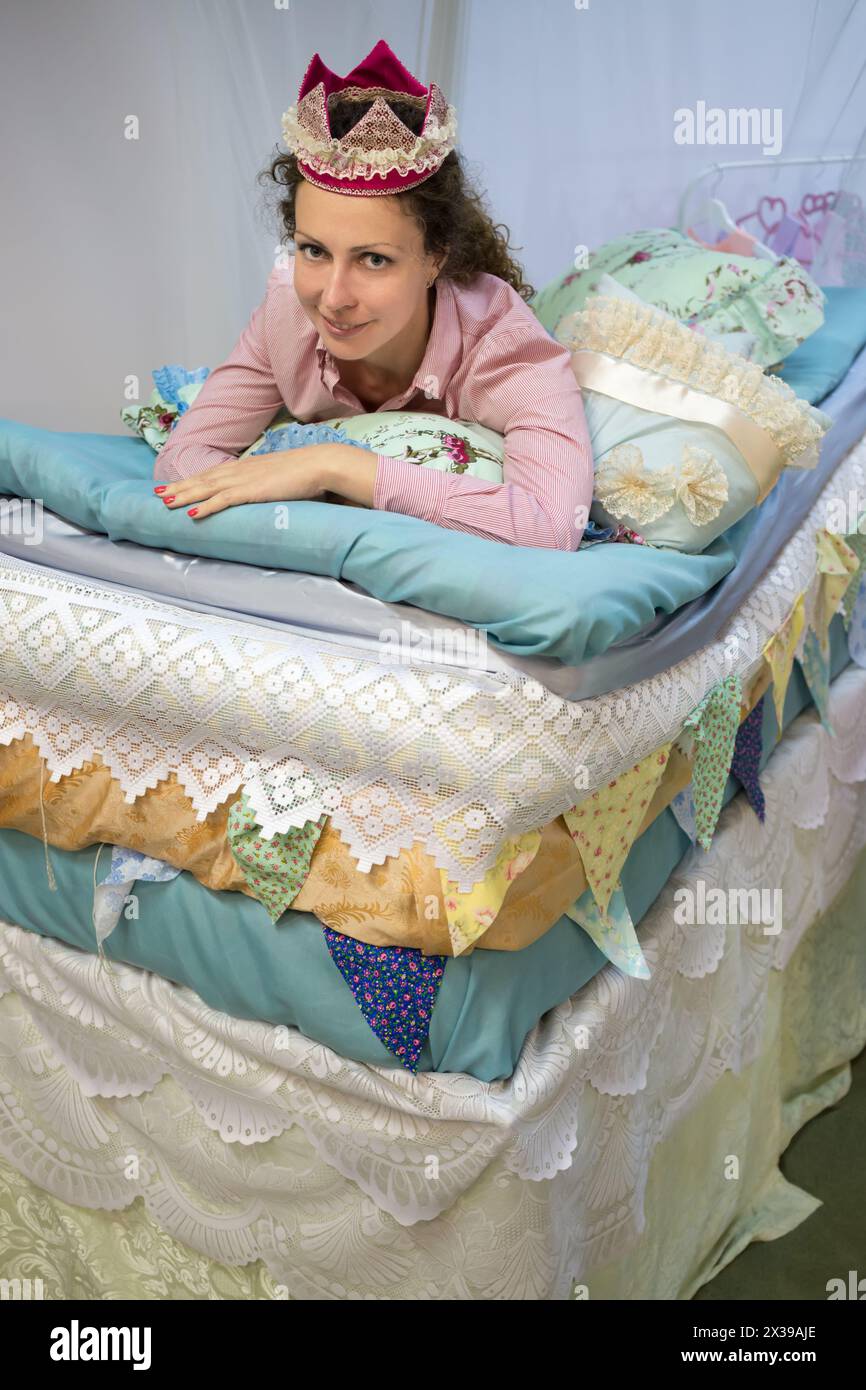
<point x="737" y="243"/>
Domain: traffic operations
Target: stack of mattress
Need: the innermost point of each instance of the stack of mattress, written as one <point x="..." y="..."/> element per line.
<point x="438" y="1045"/>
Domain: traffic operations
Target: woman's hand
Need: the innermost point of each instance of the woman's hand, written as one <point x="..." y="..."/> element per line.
<point x="288" y="475"/>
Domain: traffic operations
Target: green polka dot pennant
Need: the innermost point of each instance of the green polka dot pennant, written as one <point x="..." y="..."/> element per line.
<point x="275" y="869"/>
<point x="714" y="722"/>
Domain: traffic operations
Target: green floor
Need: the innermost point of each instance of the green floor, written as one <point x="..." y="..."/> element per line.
<point x="826" y="1159"/>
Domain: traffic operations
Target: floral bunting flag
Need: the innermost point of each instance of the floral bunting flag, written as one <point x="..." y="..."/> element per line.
<point x="612" y="931"/>
<point x="715" y="722"/>
<point x="837" y="565"/>
<point x="395" y="987"/>
<point x="604" y="825"/>
<point x="275" y="869"/>
<point x="746" y="761"/>
<point x="857" y="629"/>
<point x="857" y="542"/>
<point x="470" y="914"/>
<point x="111" y="892"/>
<point x="779" y="655"/>
<point x="683" y="807"/>
<point x="815" y="665"/>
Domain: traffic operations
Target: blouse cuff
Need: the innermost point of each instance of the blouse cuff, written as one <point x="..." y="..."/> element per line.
<point x="403" y="486"/>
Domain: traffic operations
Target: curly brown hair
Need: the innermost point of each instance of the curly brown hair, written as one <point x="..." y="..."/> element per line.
<point x="449" y="211"/>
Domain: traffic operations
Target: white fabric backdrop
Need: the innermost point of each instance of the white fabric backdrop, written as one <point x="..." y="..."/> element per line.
<point x="120" y="255"/>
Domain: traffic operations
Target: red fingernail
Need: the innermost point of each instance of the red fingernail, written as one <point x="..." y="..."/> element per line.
<point x="192" y="511"/>
<point x="161" y="488"/>
<point x="169" y="499"/>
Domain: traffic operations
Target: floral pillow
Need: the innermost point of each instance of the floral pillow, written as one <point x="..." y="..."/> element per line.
<point x="174" y="391"/>
<point x="715" y="292"/>
<point x="430" y="440"/>
<point x="433" y="441"/>
<point x="686" y="437"/>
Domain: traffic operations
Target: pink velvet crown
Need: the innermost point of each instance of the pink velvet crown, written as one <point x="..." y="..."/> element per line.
<point x="380" y="154"/>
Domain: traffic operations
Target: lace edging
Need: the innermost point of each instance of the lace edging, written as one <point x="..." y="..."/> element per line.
<point x="648" y="338"/>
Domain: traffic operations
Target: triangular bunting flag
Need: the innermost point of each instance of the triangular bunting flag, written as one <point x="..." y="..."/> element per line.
<point x="275" y="869"/>
<point x="605" y="824"/>
<point x="470" y="914"/>
<point x="683" y="807"/>
<point x="779" y="655"/>
<point x="857" y="628"/>
<point x="395" y="987"/>
<point x="857" y="543"/>
<point x="746" y="761"/>
<point x="613" y="932"/>
<point x="815" y="665"/>
<point x="837" y="565"/>
<point x="714" y="721"/>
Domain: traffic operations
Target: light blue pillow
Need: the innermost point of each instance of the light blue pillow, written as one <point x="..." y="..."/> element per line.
<point x="681" y="474"/>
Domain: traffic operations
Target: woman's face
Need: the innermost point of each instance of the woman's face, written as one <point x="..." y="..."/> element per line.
<point x="358" y="261"/>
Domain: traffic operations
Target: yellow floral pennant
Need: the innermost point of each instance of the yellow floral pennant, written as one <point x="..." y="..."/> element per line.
<point x="779" y="655"/>
<point x="837" y="565"/>
<point x="605" y="824"/>
<point x="470" y="914"/>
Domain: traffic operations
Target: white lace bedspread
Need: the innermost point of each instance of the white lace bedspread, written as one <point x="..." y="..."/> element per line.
<point x="247" y="1141"/>
<point x="393" y="753"/>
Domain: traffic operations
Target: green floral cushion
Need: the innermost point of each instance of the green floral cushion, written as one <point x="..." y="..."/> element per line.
<point x="433" y="441"/>
<point x="776" y="301"/>
<point x="155" y="421"/>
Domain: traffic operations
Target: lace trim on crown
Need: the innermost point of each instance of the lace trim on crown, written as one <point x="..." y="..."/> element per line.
<point x="650" y="339"/>
<point x="373" y="151"/>
<point x="363" y="93"/>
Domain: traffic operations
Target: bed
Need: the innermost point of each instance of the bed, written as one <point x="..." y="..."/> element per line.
<point x="520" y="1134"/>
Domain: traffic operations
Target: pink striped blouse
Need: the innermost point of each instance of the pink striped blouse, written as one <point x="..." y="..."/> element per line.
<point x="488" y="360"/>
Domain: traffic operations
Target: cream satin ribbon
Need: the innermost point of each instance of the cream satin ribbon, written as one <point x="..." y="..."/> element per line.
<point x="649" y="391"/>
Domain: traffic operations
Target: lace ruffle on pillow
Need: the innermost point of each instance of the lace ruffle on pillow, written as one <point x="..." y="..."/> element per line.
<point x="686" y="436"/>
<point x="650" y="339"/>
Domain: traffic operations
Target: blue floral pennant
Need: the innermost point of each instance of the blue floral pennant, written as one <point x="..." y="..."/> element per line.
<point x="746" y="762"/>
<point x="857" y="628"/>
<point x="395" y="987"/>
<point x="815" y="664"/>
<point x="612" y="931"/>
<point x="683" y="807"/>
<point x="857" y="543"/>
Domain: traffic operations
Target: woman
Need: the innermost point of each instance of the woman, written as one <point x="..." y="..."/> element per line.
<point x="401" y="295"/>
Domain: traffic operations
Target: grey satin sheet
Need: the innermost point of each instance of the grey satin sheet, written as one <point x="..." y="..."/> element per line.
<point x="334" y="610"/>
